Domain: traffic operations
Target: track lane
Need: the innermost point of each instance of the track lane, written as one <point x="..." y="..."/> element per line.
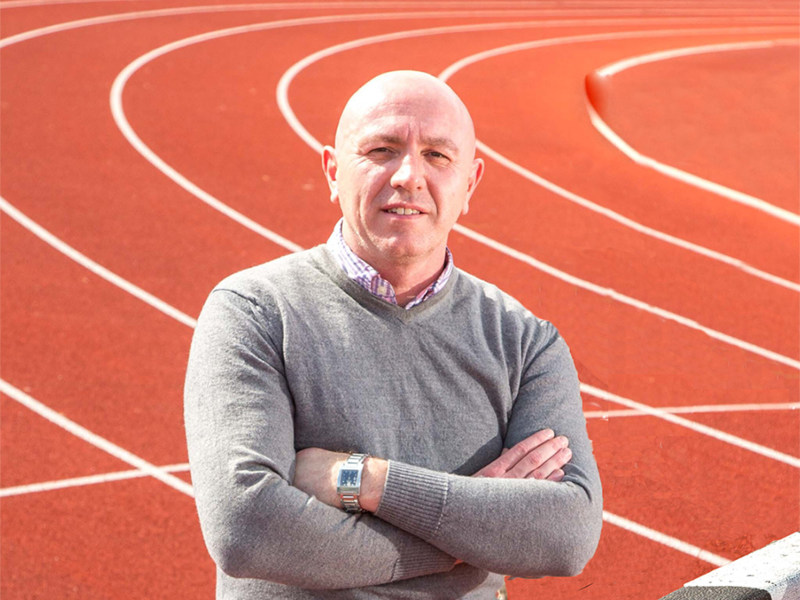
<point x="121" y="377"/>
<point x="588" y="165"/>
<point x="139" y="540"/>
<point x="35" y="450"/>
<point x="684" y="128"/>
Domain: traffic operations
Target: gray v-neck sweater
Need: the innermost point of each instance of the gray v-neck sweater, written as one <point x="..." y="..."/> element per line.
<point x="292" y="354"/>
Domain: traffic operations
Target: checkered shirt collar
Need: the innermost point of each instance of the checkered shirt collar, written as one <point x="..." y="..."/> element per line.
<point x="369" y="279"/>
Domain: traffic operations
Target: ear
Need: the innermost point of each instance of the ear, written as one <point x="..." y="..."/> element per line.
<point x="331" y="169"/>
<point x="475" y="175"/>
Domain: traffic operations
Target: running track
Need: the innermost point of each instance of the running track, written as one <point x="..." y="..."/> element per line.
<point x="159" y="177"/>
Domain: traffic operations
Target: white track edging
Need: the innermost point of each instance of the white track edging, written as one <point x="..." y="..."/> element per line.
<point x="660" y="413"/>
<point x="282" y="94"/>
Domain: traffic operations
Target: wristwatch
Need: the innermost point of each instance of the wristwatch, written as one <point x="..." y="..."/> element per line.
<point x="348" y="484"/>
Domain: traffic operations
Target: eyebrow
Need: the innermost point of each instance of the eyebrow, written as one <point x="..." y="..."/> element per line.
<point x="437" y="142"/>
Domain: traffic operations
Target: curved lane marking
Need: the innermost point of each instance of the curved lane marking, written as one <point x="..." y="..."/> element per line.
<point x="94" y="439"/>
<point x="60" y="484"/>
<point x="282" y="93"/>
<point x="635" y="225"/>
<point x="572" y="197"/>
<point x="668" y="170"/>
<point x="121" y="80"/>
<point x="94" y="267"/>
<point x="215" y="8"/>
<point x="610" y="517"/>
<point x="637" y="6"/>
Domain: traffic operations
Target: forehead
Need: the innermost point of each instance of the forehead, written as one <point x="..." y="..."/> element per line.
<point x="428" y="116"/>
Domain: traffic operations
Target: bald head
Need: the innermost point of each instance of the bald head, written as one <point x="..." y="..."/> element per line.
<point x="403" y="171"/>
<point x="411" y="93"/>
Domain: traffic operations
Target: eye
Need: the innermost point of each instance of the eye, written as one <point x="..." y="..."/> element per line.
<point x="438" y="156"/>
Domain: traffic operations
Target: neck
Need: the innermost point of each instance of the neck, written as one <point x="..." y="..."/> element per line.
<point x="408" y="280"/>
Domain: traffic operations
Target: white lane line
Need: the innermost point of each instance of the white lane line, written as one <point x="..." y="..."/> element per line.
<point x="636" y="226"/>
<point x="272" y="235"/>
<point x="215" y="8"/>
<point x="643" y="59"/>
<point x="94" y="267"/>
<point x="282" y="92"/>
<point x="693" y="410"/>
<point x="699" y="428"/>
<point x="47" y="486"/>
<point x="664" y="539"/>
<point x="94" y="439"/>
<point x="627" y="300"/>
<point x="673" y="172"/>
<point x="121" y="80"/>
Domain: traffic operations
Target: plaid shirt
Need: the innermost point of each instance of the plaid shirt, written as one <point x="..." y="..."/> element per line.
<point x="368" y="278"/>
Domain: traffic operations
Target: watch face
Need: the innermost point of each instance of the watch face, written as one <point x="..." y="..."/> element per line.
<point x="348" y="477"/>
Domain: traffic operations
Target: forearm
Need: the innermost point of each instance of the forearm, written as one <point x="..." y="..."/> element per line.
<point x="271" y="530"/>
<point x="522" y="527"/>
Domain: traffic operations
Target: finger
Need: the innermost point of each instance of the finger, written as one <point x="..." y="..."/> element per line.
<point x="507" y="460"/>
<point x="539" y="459"/>
<point x="556" y="475"/>
<point x="558" y="460"/>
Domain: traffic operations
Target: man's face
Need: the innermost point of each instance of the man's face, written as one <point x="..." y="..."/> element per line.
<point x="404" y="149"/>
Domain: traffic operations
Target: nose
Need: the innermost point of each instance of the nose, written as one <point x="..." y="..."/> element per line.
<point x="409" y="175"/>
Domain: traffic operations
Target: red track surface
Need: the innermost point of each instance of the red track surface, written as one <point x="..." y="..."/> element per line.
<point x="115" y="365"/>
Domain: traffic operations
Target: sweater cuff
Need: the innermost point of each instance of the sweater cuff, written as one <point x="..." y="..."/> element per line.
<point x="413" y="499"/>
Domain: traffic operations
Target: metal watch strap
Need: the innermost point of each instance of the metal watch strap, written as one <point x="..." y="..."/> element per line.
<point x="350" y="500"/>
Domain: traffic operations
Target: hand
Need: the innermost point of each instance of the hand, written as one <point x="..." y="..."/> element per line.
<point x="540" y="456"/>
<point x="316" y="471"/>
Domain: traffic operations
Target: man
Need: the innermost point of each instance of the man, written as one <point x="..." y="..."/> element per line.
<point x="376" y="344"/>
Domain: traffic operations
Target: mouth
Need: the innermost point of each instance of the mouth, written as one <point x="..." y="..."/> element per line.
<point x="403" y="211"/>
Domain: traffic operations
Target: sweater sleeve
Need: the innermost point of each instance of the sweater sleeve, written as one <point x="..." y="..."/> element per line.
<point x="240" y="434"/>
<point x="519" y="527"/>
